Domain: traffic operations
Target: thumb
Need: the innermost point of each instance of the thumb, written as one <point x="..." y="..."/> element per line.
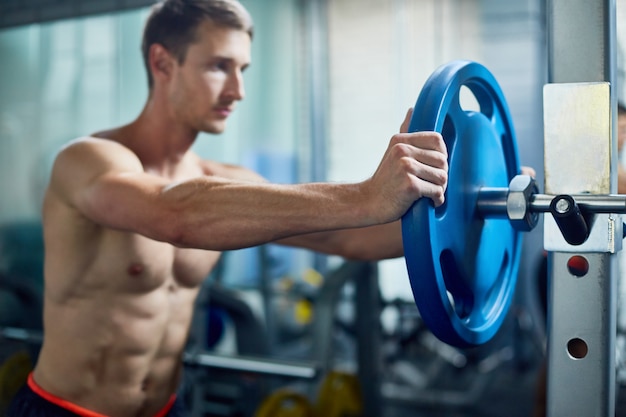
<point x="404" y="127"/>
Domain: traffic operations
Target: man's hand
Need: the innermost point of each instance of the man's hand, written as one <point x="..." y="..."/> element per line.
<point x="415" y="165"/>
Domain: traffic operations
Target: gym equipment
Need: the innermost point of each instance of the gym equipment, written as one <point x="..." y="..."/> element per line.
<point x="366" y="327"/>
<point x="250" y="334"/>
<point x="285" y="403"/>
<point x="339" y="396"/>
<point x="28" y="336"/>
<point x="463" y="268"/>
<point x="463" y="257"/>
<point x="580" y="155"/>
<point x="251" y="365"/>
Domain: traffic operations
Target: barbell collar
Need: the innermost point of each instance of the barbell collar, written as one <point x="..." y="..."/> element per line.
<point x="569" y="219"/>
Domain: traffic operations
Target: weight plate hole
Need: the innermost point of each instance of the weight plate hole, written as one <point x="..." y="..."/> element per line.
<point x="460" y="296"/>
<point x="578" y="266"/>
<point x="577" y="348"/>
<point x="467" y="100"/>
<point x="448" y="131"/>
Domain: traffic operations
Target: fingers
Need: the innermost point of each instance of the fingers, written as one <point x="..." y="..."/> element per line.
<point x="431" y="179"/>
<point x="424" y="156"/>
<point x="432" y="141"/>
<point x="435" y="192"/>
<point x="529" y="171"/>
<point x="427" y="165"/>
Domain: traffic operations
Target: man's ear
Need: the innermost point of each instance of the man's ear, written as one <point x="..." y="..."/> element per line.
<point x="161" y="62"/>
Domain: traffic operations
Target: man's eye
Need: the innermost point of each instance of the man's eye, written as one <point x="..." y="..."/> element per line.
<point x="220" y="66"/>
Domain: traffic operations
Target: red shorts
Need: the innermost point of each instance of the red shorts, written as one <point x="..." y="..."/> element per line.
<point x="34" y="401"/>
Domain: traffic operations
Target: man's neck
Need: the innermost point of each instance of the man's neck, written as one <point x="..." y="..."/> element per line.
<point x="158" y="141"/>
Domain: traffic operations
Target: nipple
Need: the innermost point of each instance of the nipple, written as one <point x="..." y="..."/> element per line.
<point x="135" y="269"/>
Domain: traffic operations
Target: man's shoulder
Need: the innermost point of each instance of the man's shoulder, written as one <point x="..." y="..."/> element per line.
<point x="91" y="149"/>
<point x="93" y="144"/>
<point x="80" y="162"/>
<point x="89" y="157"/>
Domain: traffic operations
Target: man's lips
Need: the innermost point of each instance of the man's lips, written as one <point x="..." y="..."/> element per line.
<point x="224" y="111"/>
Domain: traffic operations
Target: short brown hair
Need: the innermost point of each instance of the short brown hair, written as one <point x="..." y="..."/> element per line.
<point x="173" y="24"/>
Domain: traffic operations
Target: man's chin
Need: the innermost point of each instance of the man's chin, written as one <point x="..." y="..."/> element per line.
<point x="214" y="128"/>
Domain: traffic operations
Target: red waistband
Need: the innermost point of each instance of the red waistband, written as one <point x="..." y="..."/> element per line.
<point x="76" y="409"/>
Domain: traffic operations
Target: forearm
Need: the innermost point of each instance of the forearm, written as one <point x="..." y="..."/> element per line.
<point x="222" y="215"/>
<point x="366" y="244"/>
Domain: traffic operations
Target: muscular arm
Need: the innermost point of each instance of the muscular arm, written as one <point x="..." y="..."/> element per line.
<point x="106" y="183"/>
<point x="367" y="243"/>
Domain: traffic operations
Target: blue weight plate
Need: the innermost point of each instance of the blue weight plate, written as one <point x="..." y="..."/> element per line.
<point x="463" y="268"/>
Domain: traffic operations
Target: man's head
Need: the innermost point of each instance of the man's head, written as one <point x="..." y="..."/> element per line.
<point x="195" y="52"/>
<point x="174" y="24"/>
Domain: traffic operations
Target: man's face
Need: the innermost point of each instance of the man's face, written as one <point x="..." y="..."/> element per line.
<point x="206" y="86"/>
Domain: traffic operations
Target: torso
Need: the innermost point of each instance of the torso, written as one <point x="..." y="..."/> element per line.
<point x="117" y="313"/>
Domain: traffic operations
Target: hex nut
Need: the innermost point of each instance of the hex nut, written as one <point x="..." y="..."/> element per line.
<point x="521" y="189"/>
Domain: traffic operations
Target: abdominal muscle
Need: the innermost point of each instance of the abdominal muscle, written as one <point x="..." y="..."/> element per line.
<point x="118" y="356"/>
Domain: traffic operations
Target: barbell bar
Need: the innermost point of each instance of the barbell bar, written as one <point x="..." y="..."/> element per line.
<point x="492" y="202"/>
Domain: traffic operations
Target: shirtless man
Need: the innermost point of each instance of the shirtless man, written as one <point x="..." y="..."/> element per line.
<point x="134" y="221"/>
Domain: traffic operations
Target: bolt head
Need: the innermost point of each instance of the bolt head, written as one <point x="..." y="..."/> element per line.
<point x="521" y="189"/>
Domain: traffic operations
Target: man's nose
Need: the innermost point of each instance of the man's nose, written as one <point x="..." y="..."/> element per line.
<point x="235" y="88"/>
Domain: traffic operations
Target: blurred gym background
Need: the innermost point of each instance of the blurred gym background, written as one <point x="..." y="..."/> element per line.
<point x="330" y="83"/>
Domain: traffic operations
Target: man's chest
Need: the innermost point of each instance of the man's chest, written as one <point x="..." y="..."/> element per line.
<point x="149" y="264"/>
